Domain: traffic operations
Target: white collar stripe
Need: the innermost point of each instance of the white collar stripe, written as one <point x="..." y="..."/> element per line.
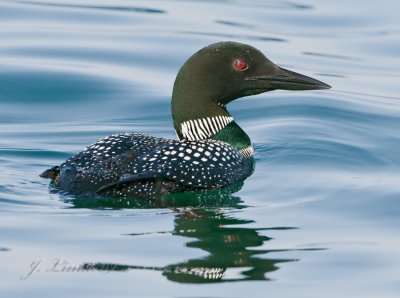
<point x="192" y="130"/>
<point x="215" y="124"/>
<point x="247" y="152"/>
<point x="199" y="126"/>
<point x="186" y="131"/>
<point x="213" y="131"/>
<point x="203" y="128"/>
<point x="218" y="120"/>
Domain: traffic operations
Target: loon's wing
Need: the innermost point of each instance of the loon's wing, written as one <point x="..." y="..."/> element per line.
<point x="189" y="165"/>
<point x="104" y="149"/>
<point x="103" y="162"/>
<point x="114" y="146"/>
<point x="127" y="178"/>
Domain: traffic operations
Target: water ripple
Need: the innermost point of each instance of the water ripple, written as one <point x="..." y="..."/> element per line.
<point x="107" y="8"/>
<point x="327" y="163"/>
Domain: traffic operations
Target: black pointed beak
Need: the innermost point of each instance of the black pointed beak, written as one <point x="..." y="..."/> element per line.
<point x="288" y="80"/>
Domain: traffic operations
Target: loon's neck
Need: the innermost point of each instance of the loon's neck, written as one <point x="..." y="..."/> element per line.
<point x="219" y="125"/>
<point x="233" y="134"/>
<point x="199" y="112"/>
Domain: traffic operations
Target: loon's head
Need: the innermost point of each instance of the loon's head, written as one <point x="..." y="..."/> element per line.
<point x="220" y="73"/>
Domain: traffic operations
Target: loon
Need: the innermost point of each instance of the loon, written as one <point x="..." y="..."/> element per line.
<point x="212" y="150"/>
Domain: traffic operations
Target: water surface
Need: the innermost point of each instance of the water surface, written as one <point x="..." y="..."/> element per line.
<point x="318" y="218"/>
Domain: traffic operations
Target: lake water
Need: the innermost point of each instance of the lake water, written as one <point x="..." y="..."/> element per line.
<point x="319" y="217"/>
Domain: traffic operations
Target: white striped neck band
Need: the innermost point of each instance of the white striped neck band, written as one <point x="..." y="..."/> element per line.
<point x="247" y="152"/>
<point x="203" y="128"/>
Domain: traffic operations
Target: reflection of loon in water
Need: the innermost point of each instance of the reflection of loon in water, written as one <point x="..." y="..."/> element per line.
<point x="232" y="247"/>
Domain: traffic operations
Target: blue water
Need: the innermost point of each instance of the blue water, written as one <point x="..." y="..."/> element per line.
<point x="320" y="216"/>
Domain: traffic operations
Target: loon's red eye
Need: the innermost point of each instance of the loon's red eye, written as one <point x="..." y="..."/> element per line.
<point x="240" y="65"/>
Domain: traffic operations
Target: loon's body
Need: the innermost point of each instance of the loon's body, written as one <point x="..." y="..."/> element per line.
<point x="212" y="150"/>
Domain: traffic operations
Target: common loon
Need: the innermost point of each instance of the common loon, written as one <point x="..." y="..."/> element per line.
<point x="212" y="150"/>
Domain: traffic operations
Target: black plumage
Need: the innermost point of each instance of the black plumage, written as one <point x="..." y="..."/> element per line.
<point x="140" y="165"/>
